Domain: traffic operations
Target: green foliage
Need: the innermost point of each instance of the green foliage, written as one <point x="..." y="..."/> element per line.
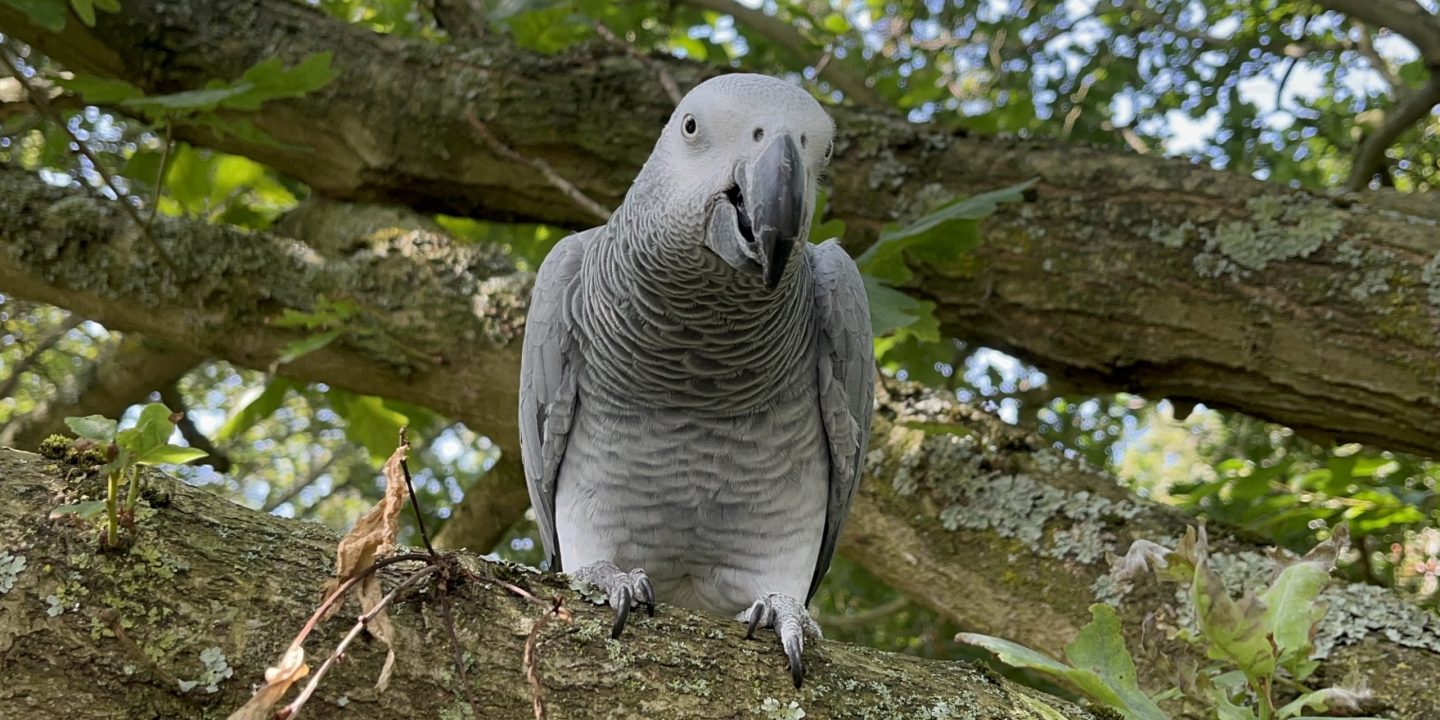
<point x="147" y="442"/>
<point x="940" y="237"/>
<point x="1253" y="638"/>
<point x="214" y="105"/>
<point x="52" y="14"/>
<point x="1100" y="666"/>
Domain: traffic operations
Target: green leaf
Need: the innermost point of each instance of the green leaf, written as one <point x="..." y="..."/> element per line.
<point x="170" y="455"/>
<point x="1235" y="631"/>
<point x="1099" y="648"/>
<point x="262" y="405"/>
<point x="48" y="14"/>
<point x="892" y="311"/>
<point x="269" y="79"/>
<point x="85" y="10"/>
<point x="301" y="348"/>
<point x="1104" y="670"/>
<point x="369" y="423"/>
<point x="1015" y="654"/>
<point x="83" y="510"/>
<point x="93" y="427"/>
<point x="110" y="6"/>
<point x="202" y="100"/>
<point x="1293" y="610"/>
<point x="942" y="235"/>
<point x="1227" y="710"/>
<point x="152" y="430"/>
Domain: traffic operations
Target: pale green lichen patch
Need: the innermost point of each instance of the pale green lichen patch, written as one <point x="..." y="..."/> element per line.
<point x="215" y="669"/>
<point x="984" y="488"/>
<point x="10" y="568"/>
<point x="1280" y="227"/>
<point x="772" y="709"/>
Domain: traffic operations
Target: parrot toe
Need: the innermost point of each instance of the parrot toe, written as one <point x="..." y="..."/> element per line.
<point x="790" y="620"/>
<point x="623" y="590"/>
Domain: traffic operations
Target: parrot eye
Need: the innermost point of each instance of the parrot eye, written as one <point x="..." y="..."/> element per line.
<point x="689" y="127"/>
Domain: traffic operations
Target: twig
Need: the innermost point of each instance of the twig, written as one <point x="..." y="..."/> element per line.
<point x="667" y="81"/>
<point x="532" y="668"/>
<point x="47" y="342"/>
<point x="455" y="648"/>
<point x="414" y="504"/>
<point x="339" y="592"/>
<point x="160" y="176"/>
<point x="43" y="103"/>
<point x="170" y="395"/>
<point x="867" y="616"/>
<point x="1370" y="154"/>
<point x="300" y="485"/>
<point x="293" y="709"/>
<point x="503" y="150"/>
<point x="112" y="619"/>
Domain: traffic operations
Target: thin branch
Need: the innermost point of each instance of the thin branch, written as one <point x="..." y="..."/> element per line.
<point x="160" y="178"/>
<point x="1370" y="155"/>
<point x="530" y="659"/>
<point x="410" y="487"/>
<point x="460" y="674"/>
<point x="339" y="592"/>
<point x="1366" y="46"/>
<point x="47" y="342"/>
<point x="666" y="80"/>
<point x="293" y="709"/>
<point x="788" y="36"/>
<point x="560" y="183"/>
<point x="111" y="619"/>
<point x="1405" y="17"/>
<point x="43" y="103"/>
<point x="300" y="486"/>
<point x="170" y="395"/>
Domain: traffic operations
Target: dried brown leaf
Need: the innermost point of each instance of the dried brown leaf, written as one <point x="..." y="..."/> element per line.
<point x="278" y="680"/>
<point x="372" y="537"/>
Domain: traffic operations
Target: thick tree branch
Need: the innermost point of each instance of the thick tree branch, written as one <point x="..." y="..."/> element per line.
<point x="1406" y="17"/>
<point x="1006" y="498"/>
<point x="1325" y="325"/>
<point x="995" y="529"/>
<point x="225" y="577"/>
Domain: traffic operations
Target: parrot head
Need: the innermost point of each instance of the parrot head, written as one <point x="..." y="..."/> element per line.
<point x="740" y="159"/>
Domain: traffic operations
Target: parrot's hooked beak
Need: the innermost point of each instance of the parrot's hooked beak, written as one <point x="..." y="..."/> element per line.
<point x="774" y="197"/>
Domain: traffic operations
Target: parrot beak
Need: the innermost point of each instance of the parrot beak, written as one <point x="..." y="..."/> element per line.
<point x="776" y="202"/>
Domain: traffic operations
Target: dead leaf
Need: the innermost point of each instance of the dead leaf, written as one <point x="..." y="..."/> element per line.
<point x="374" y="536"/>
<point x="278" y="680"/>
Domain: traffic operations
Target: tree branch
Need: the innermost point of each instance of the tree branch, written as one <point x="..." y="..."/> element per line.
<point x="1083" y="280"/>
<point x="125" y="373"/>
<point x="679" y="665"/>
<point x="1408" y="110"/>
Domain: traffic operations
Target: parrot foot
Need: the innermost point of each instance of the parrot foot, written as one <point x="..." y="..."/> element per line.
<point x="791" y="621"/>
<point x="625" y="590"/>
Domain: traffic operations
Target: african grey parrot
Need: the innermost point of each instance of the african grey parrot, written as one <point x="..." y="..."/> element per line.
<point x="696" y="379"/>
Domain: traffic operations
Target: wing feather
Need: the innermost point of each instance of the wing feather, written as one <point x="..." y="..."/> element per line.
<point x="549" y="369"/>
<point x="845" y="378"/>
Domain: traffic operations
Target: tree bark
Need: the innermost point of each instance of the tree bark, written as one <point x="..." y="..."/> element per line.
<point x="437" y="327"/>
<point x="1122" y="273"/>
<point x="207" y="575"/>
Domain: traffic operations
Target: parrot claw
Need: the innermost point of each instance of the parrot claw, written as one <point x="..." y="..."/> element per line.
<point x="624" y="590"/>
<point x="791" y="622"/>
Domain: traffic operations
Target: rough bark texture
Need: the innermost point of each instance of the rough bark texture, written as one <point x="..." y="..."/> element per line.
<point x="1125" y="272"/>
<point x="995" y="529"/>
<point x="1031" y="530"/>
<point x="206" y="573"/>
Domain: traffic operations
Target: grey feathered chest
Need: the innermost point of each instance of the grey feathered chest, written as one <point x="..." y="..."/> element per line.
<point x="668" y="326"/>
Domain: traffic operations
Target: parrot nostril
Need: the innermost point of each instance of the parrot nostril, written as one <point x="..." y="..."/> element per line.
<point x="802" y="140"/>
<point x="758" y="134"/>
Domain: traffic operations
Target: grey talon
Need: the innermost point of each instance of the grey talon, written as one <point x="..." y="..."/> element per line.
<point x="622" y="612"/>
